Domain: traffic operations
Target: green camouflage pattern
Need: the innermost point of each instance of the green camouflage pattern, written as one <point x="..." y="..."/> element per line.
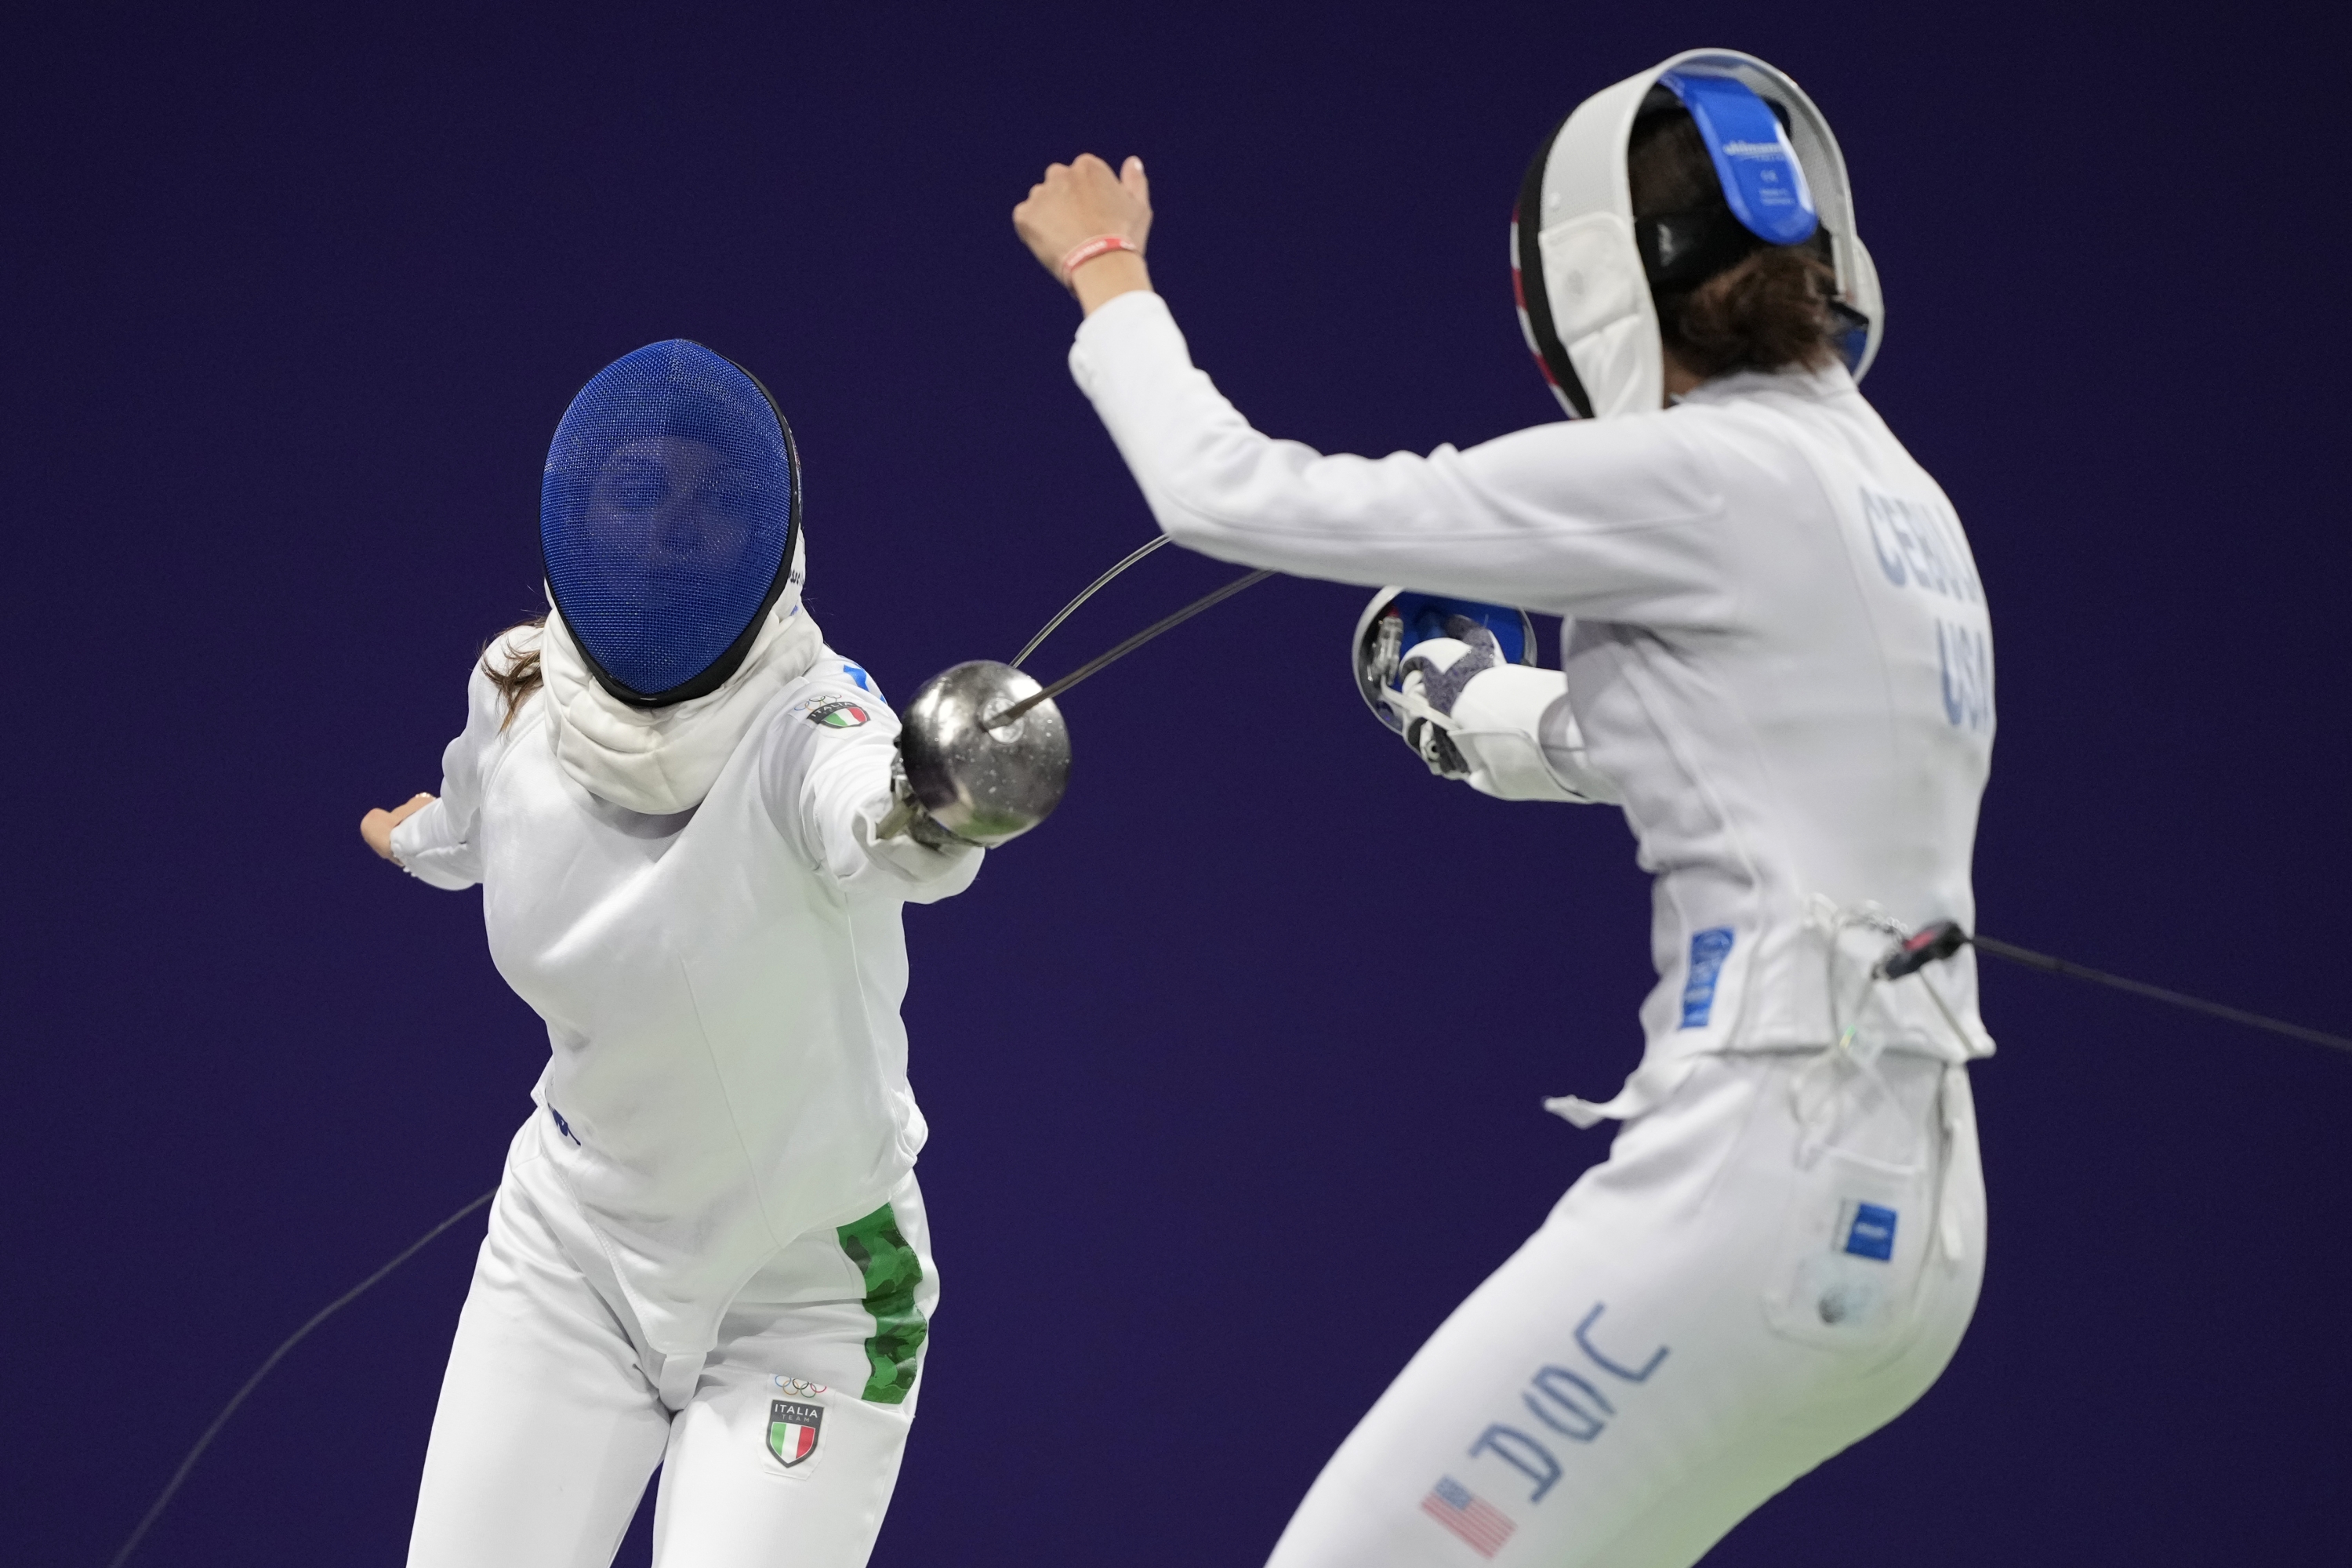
<point x="891" y="1271"/>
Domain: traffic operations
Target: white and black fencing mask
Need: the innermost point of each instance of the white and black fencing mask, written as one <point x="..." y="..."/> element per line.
<point x="1585" y="270"/>
<point x="668" y="520"/>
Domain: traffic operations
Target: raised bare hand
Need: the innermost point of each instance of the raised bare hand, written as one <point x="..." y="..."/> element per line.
<point x="376" y="826"/>
<point x="1079" y="201"/>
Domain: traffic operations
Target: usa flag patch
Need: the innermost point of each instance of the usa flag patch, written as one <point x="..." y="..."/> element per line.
<point x="1482" y="1524"/>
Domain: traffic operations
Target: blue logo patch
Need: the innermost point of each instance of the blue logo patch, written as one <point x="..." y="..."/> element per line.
<point x="1871" y="1231"/>
<point x="1709" y="948"/>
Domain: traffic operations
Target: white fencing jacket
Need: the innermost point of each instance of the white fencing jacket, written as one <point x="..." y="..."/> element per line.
<point x="1780" y="655"/>
<point x="722" y="985"/>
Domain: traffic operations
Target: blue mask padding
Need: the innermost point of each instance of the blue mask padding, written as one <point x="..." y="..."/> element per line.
<point x="1761" y="178"/>
<point x="665" y="512"/>
<point x="1852" y="343"/>
<point x="1425" y="617"/>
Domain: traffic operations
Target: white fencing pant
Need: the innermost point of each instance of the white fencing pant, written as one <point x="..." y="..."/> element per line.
<point x="1769" y="1266"/>
<point x="548" y="1425"/>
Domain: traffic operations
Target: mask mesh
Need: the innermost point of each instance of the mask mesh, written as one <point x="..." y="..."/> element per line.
<point x="665" y="512"/>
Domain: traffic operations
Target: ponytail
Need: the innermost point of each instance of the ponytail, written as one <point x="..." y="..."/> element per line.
<point x="521" y="675"/>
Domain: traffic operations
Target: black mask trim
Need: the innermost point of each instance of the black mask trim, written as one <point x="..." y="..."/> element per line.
<point x="1528" y="216"/>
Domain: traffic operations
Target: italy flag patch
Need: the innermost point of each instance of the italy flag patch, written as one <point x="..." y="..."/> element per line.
<point x="838" y="713"/>
<point x="793" y="1427"/>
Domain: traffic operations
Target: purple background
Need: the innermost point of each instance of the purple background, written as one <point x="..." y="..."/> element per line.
<point x="1233" y="1068"/>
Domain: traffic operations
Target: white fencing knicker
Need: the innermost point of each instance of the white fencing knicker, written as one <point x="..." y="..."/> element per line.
<point x="780" y="1447"/>
<point x="1774" y="1262"/>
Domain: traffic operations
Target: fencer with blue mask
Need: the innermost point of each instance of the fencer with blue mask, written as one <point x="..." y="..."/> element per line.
<point x="1778" y="664"/>
<point x="694" y="840"/>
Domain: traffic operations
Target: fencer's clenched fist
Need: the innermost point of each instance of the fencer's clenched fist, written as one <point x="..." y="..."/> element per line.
<point x="1080" y="201"/>
<point x="376" y="826"/>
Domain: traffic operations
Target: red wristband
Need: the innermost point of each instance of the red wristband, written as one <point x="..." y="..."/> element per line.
<point x="1100" y="244"/>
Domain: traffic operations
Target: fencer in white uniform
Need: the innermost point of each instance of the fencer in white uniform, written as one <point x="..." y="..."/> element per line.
<point x="1779" y="664"/>
<point x="708" y="1252"/>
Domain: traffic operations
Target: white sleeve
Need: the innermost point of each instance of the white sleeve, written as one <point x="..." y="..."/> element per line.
<point x="1520" y="738"/>
<point x="827" y="785"/>
<point x="437" y="845"/>
<point x="1616" y="521"/>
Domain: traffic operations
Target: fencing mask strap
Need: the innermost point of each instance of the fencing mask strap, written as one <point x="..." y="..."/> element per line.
<point x="1584" y="269"/>
<point x="669" y="514"/>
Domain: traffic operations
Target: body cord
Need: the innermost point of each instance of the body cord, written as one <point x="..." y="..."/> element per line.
<point x="295" y="1337"/>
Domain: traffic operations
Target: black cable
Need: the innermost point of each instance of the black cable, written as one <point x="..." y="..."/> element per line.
<point x="1945" y="938"/>
<point x="1170" y="623"/>
<point x="339" y="1303"/>
<point x="1092" y="589"/>
<point x="2048" y="964"/>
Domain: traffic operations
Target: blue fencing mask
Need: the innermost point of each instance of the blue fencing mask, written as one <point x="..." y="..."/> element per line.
<point x="668" y="520"/>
